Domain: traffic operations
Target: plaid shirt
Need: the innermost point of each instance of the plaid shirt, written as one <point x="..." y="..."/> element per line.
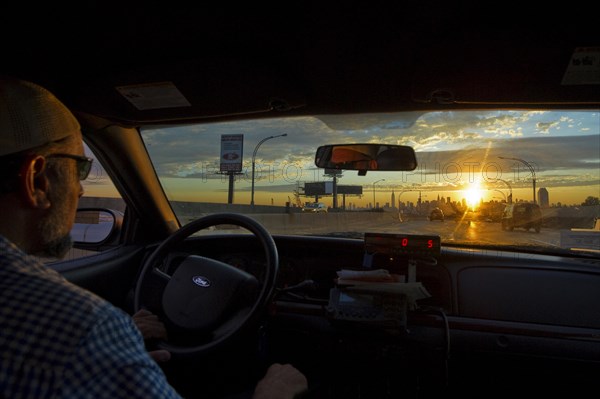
<point x="58" y="340"/>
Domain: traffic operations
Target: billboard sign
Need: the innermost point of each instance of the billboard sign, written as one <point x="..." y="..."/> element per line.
<point x="326" y="188"/>
<point x="232" y="147"/>
<point x="355" y="190"/>
<point x="311" y="189"/>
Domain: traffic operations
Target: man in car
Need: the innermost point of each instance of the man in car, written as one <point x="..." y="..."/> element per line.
<point x="57" y="339"/>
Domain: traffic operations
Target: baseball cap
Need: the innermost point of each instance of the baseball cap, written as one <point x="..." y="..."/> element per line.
<point x="31" y="116"/>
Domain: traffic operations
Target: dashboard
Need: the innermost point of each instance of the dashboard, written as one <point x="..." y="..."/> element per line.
<point x="462" y="282"/>
<point x="495" y="320"/>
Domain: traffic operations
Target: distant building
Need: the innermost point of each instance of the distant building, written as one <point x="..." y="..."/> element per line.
<point x="543" y="197"/>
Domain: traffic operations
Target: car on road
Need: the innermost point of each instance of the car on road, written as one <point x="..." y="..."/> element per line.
<point x="314" y="207"/>
<point x="205" y="127"/>
<point x="523" y="215"/>
<point x="436" y="214"/>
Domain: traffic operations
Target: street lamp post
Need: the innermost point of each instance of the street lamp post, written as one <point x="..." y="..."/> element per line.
<point x="399" y="205"/>
<point x="375" y="182"/>
<point x="509" y="189"/>
<point x="254" y="164"/>
<point x="530" y="168"/>
<point x="501" y="192"/>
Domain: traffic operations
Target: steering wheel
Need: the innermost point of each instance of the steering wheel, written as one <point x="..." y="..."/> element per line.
<point x="203" y="298"/>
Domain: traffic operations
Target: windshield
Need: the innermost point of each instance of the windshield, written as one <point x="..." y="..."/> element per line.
<point x="472" y="165"/>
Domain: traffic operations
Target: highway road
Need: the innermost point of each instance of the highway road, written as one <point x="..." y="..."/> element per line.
<point x="481" y="232"/>
<point x="450" y="231"/>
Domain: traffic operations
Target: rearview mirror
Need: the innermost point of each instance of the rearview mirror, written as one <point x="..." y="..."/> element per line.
<point x="366" y="157"/>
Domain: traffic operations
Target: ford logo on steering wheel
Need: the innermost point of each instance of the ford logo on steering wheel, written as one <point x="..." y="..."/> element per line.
<point x="201" y="281"/>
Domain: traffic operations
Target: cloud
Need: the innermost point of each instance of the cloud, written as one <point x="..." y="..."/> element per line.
<point x="544" y="127"/>
<point x="546" y="153"/>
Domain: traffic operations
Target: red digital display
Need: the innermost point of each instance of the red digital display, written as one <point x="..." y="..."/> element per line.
<point x="403" y="244"/>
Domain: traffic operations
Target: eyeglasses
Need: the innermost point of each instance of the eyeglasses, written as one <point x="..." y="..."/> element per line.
<point x="84" y="164"/>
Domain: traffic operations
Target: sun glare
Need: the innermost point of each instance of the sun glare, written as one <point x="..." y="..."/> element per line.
<point x="473" y="195"/>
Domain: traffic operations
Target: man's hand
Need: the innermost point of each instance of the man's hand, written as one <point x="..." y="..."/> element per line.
<point x="282" y="381"/>
<point x="160" y="355"/>
<point x="152" y="328"/>
<point x="149" y="325"/>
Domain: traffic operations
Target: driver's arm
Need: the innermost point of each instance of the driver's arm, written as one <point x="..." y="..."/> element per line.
<point x="111" y="361"/>
<point x="152" y="327"/>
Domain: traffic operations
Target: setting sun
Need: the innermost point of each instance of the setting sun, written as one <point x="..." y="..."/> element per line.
<point x="473" y="195"/>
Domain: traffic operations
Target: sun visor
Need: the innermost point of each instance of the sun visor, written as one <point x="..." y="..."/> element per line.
<point x="498" y="73"/>
<point x="190" y="93"/>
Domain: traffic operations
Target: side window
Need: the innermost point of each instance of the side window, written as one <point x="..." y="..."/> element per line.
<point x="99" y="217"/>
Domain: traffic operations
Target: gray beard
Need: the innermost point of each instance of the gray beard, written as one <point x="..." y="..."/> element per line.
<point x="54" y="244"/>
<point x="57" y="248"/>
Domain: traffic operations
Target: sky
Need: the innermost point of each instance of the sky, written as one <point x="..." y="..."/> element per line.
<point x="457" y="153"/>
